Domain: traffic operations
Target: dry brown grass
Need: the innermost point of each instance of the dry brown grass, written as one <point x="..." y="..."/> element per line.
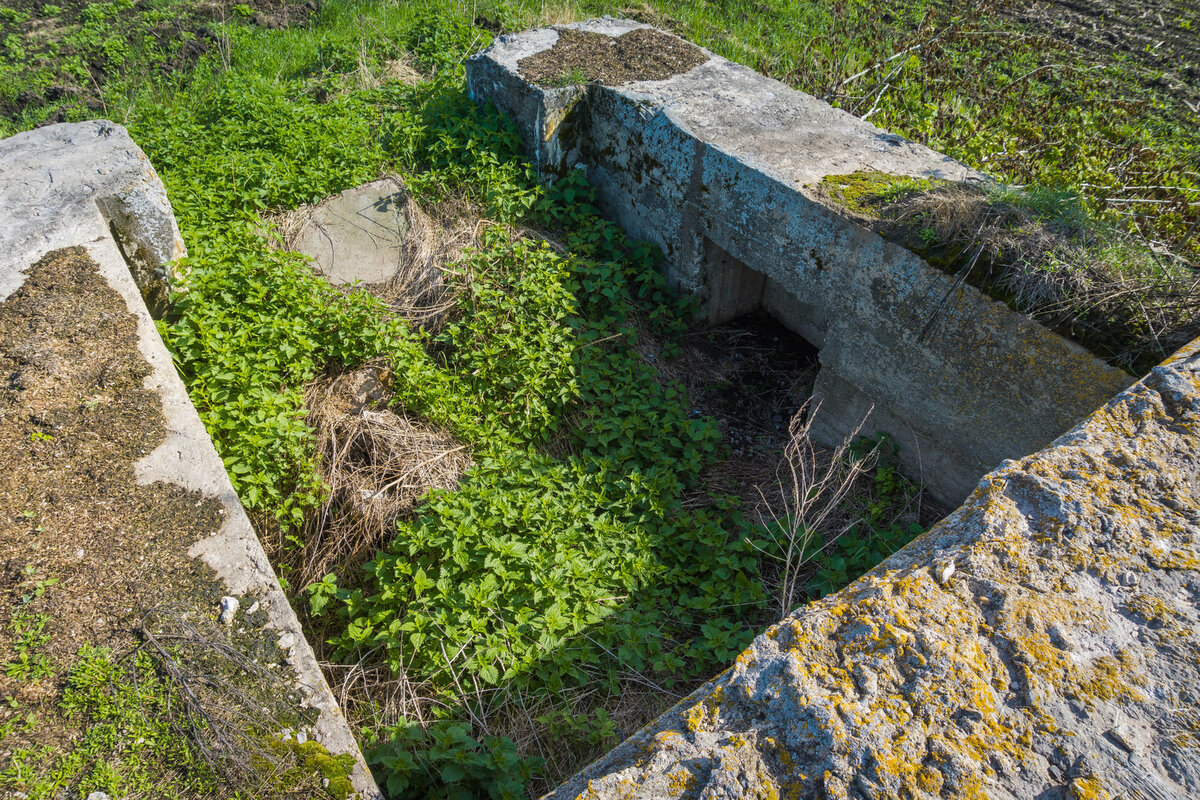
<point x="377" y="464"/>
<point x="1127" y="302"/>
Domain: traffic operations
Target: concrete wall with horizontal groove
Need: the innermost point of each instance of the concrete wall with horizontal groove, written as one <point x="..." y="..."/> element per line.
<point x="720" y="166"/>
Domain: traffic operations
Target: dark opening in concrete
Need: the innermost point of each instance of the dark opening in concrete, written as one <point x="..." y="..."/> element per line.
<point x="735" y="289"/>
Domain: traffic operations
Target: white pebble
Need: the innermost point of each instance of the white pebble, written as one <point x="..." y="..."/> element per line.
<point x="229" y="607"/>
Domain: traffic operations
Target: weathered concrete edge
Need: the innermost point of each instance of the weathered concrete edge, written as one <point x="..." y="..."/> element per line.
<point x="927" y="551"/>
<point x="132" y="203"/>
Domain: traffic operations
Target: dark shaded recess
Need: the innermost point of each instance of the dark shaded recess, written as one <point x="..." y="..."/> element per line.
<point x="768" y="375"/>
<point x="640" y="55"/>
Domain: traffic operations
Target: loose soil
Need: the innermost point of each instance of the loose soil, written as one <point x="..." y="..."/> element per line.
<point x="1158" y="41"/>
<point x="74" y="521"/>
<point x="640" y="55"/>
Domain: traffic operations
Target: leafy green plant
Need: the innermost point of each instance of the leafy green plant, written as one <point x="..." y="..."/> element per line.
<point x="29" y="628"/>
<point x="856" y="552"/>
<point x="443" y="762"/>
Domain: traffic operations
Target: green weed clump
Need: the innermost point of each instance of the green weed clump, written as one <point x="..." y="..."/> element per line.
<point x="543" y="570"/>
<point x="443" y="762"/>
<point x="256" y="324"/>
<point x="129" y="736"/>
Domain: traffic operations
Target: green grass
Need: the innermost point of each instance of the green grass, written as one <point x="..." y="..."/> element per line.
<point x="1040" y="251"/>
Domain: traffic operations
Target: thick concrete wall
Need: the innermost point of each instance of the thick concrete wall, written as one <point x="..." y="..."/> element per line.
<point x="719" y="165"/>
<point x="89" y="185"/>
<point x="1040" y="642"/>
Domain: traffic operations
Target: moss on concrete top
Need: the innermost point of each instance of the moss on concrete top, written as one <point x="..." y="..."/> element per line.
<point x="1040" y="642"/>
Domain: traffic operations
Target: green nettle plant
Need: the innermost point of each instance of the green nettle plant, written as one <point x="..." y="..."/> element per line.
<point x="443" y="762"/>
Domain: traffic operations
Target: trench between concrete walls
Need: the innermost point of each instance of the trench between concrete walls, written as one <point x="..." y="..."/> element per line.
<point x="958" y="380"/>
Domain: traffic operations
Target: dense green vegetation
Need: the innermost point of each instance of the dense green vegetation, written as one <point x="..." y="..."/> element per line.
<point x="569" y="563"/>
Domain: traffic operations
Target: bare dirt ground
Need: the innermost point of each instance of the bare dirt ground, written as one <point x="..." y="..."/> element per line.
<point x="1158" y="41"/>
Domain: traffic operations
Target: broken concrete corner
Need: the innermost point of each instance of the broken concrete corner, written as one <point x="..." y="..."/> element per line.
<point x="1039" y="642"/>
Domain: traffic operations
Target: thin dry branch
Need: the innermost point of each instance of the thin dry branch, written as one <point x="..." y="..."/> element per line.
<point x="232" y="706"/>
<point x="814" y="484"/>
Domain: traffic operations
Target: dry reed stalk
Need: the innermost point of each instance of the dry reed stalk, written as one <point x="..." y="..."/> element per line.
<point x="814" y="483"/>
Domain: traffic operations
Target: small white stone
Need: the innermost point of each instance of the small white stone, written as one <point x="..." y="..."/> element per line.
<point x="944" y="572"/>
<point x="287" y="641"/>
<point x="229" y="607"/>
<point x="301" y="737"/>
<point x="98" y="796"/>
<point x="79" y="553"/>
<point x="253" y="608"/>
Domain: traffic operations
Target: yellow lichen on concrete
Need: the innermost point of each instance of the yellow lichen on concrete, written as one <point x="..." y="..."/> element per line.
<point x="1072" y="608"/>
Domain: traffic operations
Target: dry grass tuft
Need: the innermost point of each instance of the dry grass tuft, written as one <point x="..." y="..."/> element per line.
<point x="378" y="464"/>
<point x="1128" y="302"/>
<point x="814" y="484"/>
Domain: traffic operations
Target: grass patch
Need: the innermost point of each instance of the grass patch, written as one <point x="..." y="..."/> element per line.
<point x="1042" y="253"/>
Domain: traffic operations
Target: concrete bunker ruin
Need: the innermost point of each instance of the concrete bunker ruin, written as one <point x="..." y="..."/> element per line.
<point x="1041" y="641"/>
<point x="721" y="168"/>
<point x="1014" y="649"/>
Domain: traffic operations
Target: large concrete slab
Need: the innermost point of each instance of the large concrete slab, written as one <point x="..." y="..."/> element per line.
<point x="721" y="167"/>
<point x="1041" y="642"/>
<point x="86" y="194"/>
